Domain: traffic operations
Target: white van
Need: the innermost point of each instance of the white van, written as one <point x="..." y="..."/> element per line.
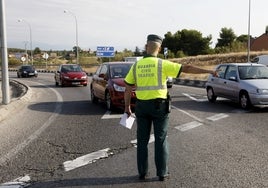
<point x="261" y="59"/>
<point x="134" y="59"/>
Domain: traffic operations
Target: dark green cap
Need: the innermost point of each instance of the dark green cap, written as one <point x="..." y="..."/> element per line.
<point x="154" y="38"/>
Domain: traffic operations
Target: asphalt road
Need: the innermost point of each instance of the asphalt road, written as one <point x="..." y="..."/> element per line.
<point x="60" y="139"/>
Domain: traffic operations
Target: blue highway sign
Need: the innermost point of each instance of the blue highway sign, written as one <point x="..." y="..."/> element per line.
<point x="105" y="51"/>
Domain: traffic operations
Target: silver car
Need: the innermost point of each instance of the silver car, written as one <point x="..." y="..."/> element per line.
<point x="246" y="83"/>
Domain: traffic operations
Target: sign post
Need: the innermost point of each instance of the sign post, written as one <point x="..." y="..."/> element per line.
<point x="45" y="56"/>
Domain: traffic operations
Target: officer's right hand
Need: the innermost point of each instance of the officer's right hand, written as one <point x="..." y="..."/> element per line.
<point x="128" y="110"/>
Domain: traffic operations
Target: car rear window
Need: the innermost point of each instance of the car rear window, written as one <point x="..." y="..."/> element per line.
<point x="119" y="71"/>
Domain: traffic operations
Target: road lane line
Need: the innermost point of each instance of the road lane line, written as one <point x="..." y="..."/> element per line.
<point x="188" y="126"/>
<point x="151" y="140"/>
<point x="217" y="117"/>
<point x="86" y="159"/>
<point x="191" y="115"/>
<point x="108" y="115"/>
<point x="17" y="183"/>
<point x="13" y="152"/>
<point x="193" y="98"/>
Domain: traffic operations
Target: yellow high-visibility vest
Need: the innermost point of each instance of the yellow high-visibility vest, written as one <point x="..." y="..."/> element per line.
<point x="149" y="75"/>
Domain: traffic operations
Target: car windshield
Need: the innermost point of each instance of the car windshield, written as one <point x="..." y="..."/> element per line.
<point x="119" y="70"/>
<point x="71" y="68"/>
<point x="253" y="72"/>
<point x="27" y="68"/>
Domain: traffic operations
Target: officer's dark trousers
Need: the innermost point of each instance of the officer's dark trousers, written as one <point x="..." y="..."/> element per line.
<point x="150" y="113"/>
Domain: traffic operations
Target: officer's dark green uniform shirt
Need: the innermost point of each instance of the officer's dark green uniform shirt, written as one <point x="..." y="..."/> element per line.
<point x="149" y="75"/>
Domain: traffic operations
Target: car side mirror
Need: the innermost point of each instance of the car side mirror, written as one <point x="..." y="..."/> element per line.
<point x="102" y="75"/>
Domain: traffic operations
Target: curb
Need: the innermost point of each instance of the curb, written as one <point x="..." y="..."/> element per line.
<point x="195" y="83"/>
<point x="21" y="95"/>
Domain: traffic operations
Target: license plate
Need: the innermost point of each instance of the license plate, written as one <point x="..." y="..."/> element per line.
<point x="75" y="83"/>
<point x="31" y="74"/>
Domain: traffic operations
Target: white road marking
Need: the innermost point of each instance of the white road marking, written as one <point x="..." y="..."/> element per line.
<point x="17" y="183"/>
<point x="108" y="115"/>
<point x="151" y="140"/>
<point x="193" y="98"/>
<point x="86" y="159"/>
<point x="188" y="126"/>
<point x="35" y="135"/>
<point x="217" y="117"/>
<point x="191" y="115"/>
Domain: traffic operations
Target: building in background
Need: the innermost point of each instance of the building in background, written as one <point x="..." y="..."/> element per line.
<point x="260" y="43"/>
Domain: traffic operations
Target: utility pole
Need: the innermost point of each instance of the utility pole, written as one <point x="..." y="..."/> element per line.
<point x="5" y="79"/>
<point x="249" y="7"/>
<point x="31" y="40"/>
<point x="76" y="34"/>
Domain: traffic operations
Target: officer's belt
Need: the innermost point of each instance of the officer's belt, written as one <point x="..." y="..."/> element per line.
<point x="159" y="100"/>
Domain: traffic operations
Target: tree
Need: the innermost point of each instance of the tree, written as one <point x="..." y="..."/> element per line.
<point x="188" y="42"/>
<point x="242" y="38"/>
<point x="37" y="51"/>
<point x="137" y="52"/>
<point x="227" y="37"/>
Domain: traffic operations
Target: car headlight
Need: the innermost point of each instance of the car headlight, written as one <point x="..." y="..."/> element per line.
<point x="262" y="91"/>
<point x="119" y="88"/>
<point x="83" y="77"/>
<point x="66" y="77"/>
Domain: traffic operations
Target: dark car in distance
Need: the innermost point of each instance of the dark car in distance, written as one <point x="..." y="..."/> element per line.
<point x="70" y="75"/>
<point x="108" y="84"/>
<point x="26" y="71"/>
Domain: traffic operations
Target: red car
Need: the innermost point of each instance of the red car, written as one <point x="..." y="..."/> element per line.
<point x="70" y="74"/>
<point x="108" y="84"/>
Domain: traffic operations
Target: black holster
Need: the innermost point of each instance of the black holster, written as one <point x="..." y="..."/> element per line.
<point x="168" y="103"/>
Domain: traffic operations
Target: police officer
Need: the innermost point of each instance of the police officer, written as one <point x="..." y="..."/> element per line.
<point x="149" y="76"/>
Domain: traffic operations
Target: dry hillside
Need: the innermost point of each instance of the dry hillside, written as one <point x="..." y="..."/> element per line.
<point x="210" y="61"/>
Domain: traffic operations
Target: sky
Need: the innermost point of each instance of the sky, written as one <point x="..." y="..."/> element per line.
<point x="124" y="24"/>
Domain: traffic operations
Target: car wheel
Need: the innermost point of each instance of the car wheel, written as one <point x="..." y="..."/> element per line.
<point x="108" y="101"/>
<point x="94" y="99"/>
<point x="244" y="100"/>
<point x="210" y="95"/>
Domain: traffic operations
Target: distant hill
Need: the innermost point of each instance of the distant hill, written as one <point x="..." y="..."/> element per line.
<point x="208" y="60"/>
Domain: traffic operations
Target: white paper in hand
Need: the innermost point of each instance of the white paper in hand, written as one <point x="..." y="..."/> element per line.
<point x="127" y="121"/>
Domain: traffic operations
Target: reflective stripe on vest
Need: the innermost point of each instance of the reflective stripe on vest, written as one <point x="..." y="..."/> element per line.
<point x="159" y="75"/>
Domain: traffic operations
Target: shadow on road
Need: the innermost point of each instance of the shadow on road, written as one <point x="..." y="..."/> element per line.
<point x="72" y="108"/>
<point x="87" y="182"/>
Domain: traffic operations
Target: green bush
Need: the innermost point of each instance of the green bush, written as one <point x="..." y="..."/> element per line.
<point x="14" y="62"/>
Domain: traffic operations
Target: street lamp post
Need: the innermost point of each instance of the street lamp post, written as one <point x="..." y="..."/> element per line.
<point x="249" y="5"/>
<point x="4" y="55"/>
<point x="31" y="42"/>
<point x="76" y="35"/>
<point x="25" y="46"/>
